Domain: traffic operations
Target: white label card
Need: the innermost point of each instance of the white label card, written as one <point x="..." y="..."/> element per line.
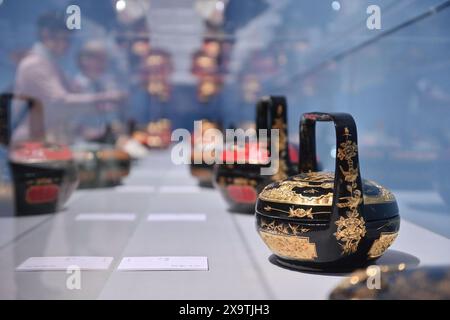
<point x="164" y="264"/>
<point x="176" y="217"/>
<point x="99" y="216"/>
<point x="63" y="263"/>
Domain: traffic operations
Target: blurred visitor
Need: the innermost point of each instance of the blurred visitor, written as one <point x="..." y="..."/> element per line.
<point x="40" y="76"/>
<point x="94" y="120"/>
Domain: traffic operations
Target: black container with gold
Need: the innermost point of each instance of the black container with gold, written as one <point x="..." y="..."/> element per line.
<point x="396" y="282"/>
<point x="201" y="168"/>
<point x="6" y="183"/>
<point x="101" y="165"/>
<point x="44" y="174"/>
<point x="241" y="181"/>
<point x="322" y="220"/>
<point x="7" y="207"/>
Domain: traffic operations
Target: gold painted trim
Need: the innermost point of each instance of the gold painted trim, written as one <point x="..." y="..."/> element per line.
<point x="380" y="245"/>
<point x="291" y="247"/>
<point x="284" y="193"/>
<point x="282" y="228"/>
<point x="351" y="228"/>
<point x="296" y="213"/>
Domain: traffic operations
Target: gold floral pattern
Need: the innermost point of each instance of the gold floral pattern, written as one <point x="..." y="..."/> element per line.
<point x="290" y="247"/>
<point x="351" y="175"/>
<point x="301" y="213"/>
<point x="380" y="245"/>
<point x="347" y="150"/>
<point x="280" y="146"/>
<point x="282" y="228"/>
<point x="351" y="228"/>
<point x="350" y="231"/>
<point x="296" y="213"/>
<point x="284" y="193"/>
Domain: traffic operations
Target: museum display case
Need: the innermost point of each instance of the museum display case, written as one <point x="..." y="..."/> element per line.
<point x="167" y="149"/>
<point x="240" y="178"/>
<point x="327" y="220"/>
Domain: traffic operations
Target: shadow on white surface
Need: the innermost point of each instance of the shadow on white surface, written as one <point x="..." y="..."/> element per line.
<point x="391" y="257"/>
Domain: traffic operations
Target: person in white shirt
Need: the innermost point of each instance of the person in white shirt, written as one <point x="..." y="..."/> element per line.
<point x="40" y="77"/>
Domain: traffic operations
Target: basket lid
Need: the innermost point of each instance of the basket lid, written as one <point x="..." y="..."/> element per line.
<point x="309" y="196"/>
<point x="38" y="152"/>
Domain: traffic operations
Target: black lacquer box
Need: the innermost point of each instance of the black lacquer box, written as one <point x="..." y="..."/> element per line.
<point x="327" y="220"/>
<point x="241" y="179"/>
<point x="101" y="165"/>
<point x="200" y="167"/>
<point x="44" y="174"/>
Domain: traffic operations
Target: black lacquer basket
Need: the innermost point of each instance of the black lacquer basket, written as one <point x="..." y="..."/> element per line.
<point x="327" y="220"/>
<point x="241" y="181"/>
<point x="44" y="174"/>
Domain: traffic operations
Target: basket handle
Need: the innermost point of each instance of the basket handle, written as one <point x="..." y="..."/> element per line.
<point x="272" y="114"/>
<point x="348" y="199"/>
<point x="7" y="126"/>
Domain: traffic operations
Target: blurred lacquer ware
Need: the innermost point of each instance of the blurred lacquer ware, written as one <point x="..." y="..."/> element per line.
<point x="203" y="147"/>
<point x="327" y="220"/>
<point x="156" y="135"/>
<point x="101" y="165"/>
<point x="240" y="178"/>
<point x="44" y="174"/>
<point x="395" y="282"/>
<point x="7" y="207"/>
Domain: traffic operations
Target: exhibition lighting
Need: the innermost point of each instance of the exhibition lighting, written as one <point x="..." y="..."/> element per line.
<point x="220" y="5"/>
<point x="121" y="5"/>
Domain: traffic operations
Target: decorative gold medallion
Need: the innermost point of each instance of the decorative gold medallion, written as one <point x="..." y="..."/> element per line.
<point x="382" y="244"/>
<point x="291" y="247"/>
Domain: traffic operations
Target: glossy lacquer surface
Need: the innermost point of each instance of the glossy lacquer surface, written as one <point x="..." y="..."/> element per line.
<point x="239" y="262"/>
<point x="322" y="220"/>
<point x="44" y="174"/>
<point x="241" y="179"/>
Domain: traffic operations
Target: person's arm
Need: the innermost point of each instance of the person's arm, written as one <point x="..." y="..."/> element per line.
<point x="47" y="86"/>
